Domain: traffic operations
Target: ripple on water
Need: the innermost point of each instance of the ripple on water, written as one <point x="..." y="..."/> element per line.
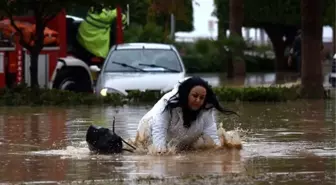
<point x="231" y="179"/>
<point x="286" y="138"/>
<point x="259" y="146"/>
<point x="286" y="149"/>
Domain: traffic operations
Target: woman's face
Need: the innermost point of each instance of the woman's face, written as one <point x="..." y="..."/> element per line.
<point x="196" y="97"/>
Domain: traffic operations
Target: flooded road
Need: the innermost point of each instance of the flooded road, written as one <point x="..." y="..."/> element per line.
<point x="285" y="143"/>
<point x="257" y="79"/>
<point x="264" y="79"/>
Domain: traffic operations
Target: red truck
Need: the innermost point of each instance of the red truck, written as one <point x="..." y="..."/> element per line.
<point x="65" y="65"/>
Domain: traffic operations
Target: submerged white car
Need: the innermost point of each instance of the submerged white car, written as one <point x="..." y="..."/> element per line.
<point x="140" y="66"/>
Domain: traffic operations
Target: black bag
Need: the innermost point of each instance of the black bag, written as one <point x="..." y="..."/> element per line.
<point x="103" y="141"/>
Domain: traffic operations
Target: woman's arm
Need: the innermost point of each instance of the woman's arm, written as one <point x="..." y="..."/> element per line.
<point x="159" y="128"/>
<point x="210" y="127"/>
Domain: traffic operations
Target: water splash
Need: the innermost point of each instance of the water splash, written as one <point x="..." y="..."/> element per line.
<point x="77" y="151"/>
<point x="229" y="139"/>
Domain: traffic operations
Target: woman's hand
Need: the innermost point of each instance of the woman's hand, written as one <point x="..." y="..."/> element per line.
<point x="161" y="151"/>
<point x="219" y="147"/>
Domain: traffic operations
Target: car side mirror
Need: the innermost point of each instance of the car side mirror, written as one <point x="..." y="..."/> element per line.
<point x="94" y="68"/>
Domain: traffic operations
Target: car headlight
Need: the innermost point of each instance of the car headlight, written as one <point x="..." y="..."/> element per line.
<point x="103" y="92"/>
<point x="106" y="91"/>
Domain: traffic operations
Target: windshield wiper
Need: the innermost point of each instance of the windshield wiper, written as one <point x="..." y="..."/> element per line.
<point x="154" y="65"/>
<point x="130" y="66"/>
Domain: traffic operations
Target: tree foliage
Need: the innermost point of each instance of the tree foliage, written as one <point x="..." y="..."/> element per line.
<point x="149" y="32"/>
<point x="139" y="11"/>
<point x="182" y="10"/>
<point x="157" y="11"/>
<point x="261" y="12"/>
<point x="279" y="18"/>
<point x="79" y="8"/>
<point x="329" y="13"/>
<point x="43" y="12"/>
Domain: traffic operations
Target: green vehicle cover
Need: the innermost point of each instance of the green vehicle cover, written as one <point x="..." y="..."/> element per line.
<point x="94" y="32"/>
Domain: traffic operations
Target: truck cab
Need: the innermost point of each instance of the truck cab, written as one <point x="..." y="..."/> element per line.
<point x="78" y="70"/>
<point x="63" y="65"/>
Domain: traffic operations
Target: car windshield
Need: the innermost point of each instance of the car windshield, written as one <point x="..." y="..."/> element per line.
<point x="143" y="60"/>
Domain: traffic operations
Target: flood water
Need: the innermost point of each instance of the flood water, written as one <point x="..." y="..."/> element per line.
<point x="266" y="79"/>
<point x="285" y="143"/>
<point x="256" y="79"/>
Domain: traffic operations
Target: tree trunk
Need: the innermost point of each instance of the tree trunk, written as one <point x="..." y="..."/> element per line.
<point x="334" y="39"/>
<point x="166" y="27"/>
<point x="33" y="69"/>
<point x="229" y="66"/>
<point x="221" y="29"/>
<point x="221" y="26"/>
<point x="36" y="50"/>
<point x="235" y="26"/>
<point x="311" y="23"/>
<point x="276" y="37"/>
<point x="276" y="34"/>
<point x="236" y="16"/>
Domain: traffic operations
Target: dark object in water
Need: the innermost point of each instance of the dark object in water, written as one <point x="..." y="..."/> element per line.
<point x="103" y="141"/>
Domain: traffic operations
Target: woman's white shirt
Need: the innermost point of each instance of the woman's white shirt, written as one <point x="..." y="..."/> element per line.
<point x="165" y="125"/>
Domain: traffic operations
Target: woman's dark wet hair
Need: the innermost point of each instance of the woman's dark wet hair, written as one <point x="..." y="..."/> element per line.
<point x="180" y="99"/>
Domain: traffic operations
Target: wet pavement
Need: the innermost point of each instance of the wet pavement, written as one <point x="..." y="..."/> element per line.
<point x="283" y="143"/>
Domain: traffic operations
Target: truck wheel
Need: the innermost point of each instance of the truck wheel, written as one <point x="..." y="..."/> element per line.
<point x="68" y="84"/>
<point x="73" y="80"/>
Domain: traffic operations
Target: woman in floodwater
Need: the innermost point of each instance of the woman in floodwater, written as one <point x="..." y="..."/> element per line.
<point x="183" y="118"/>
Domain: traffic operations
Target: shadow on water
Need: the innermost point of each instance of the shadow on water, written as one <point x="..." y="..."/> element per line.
<point x="286" y="143"/>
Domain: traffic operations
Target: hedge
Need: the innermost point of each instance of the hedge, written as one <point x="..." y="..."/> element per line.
<point x="22" y="96"/>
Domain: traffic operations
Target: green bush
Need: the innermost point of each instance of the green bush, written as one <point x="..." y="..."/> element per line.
<point x="37" y="97"/>
<point x="147" y="33"/>
<point x="204" y="56"/>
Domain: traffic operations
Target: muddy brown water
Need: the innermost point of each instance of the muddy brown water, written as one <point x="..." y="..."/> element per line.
<point x="284" y="143"/>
